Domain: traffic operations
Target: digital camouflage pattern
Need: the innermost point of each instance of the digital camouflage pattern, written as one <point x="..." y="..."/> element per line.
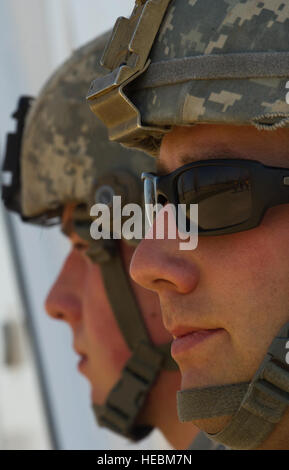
<point x="65" y="149"/>
<point x="204" y="27"/>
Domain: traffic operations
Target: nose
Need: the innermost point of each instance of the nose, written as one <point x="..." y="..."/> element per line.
<point x="160" y="265"/>
<point x="64" y="301"/>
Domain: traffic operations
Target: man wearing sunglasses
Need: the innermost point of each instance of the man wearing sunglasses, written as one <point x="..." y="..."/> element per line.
<point x="206" y="94"/>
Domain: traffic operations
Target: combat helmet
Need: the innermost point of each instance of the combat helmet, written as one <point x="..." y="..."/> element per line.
<point x="60" y="155"/>
<point x="184" y="62"/>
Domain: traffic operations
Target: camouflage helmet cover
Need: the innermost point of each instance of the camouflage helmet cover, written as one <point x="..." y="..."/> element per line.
<point x="214" y="62"/>
<point x="65" y="151"/>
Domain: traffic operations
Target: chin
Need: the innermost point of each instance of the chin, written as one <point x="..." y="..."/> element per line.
<point x="196" y="378"/>
<point x="95" y="397"/>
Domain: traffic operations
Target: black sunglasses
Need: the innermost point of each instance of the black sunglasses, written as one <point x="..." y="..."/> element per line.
<point x="232" y="195"/>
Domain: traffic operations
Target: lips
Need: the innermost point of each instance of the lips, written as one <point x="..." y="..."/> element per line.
<point x="82" y="364"/>
<point x="82" y="361"/>
<point x="186" y="339"/>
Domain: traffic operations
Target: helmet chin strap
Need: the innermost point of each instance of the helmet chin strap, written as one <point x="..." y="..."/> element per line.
<point x="127" y="398"/>
<point x="256" y="406"/>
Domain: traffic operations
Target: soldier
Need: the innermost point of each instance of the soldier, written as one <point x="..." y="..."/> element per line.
<point x="202" y="85"/>
<point x="66" y="166"/>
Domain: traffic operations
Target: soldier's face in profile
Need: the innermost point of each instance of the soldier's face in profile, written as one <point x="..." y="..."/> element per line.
<point x="79" y="298"/>
<point x="226" y="300"/>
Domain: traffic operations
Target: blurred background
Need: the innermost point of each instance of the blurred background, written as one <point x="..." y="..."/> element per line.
<point x="44" y="402"/>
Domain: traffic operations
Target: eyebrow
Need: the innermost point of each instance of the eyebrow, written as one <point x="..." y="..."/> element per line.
<point x="162" y="168"/>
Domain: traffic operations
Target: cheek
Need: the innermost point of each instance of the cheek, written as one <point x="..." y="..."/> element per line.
<point x="254" y="259"/>
<point x="106" y="343"/>
<point x="149" y="305"/>
<point x="248" y="280"/>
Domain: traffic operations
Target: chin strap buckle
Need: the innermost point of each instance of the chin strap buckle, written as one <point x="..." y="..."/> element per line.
<point x="128" y="396"/>
<point x="268" y="394"/>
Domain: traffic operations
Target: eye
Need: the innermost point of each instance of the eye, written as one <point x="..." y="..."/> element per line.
<point x="78" y="243"/>
<point x="81" y="208"/>
<point x="80" y="246"/>
<point x="76" y="226"/>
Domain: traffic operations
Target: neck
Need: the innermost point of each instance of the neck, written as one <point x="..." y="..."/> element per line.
<point x="279" y="438"/>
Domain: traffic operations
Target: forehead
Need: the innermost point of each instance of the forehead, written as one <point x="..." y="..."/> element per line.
<point x="201" y="142"/>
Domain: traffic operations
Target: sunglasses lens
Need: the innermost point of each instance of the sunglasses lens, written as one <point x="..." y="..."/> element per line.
<point x="223" y="194"/>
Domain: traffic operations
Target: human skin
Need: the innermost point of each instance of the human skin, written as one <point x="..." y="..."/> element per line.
<point x="78" y="297"/>
<point x="237" y="284"/>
